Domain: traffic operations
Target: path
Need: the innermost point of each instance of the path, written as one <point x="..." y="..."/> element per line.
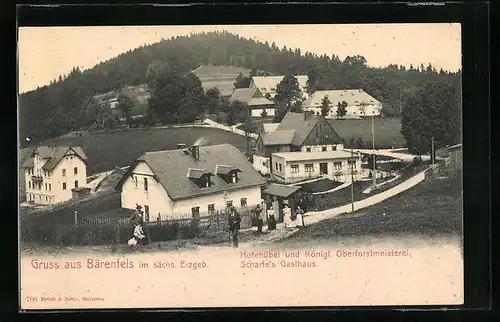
<point x="389" y="153"/>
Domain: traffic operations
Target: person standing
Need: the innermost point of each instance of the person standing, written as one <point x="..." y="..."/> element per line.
<point x="300" y="218"/>
<point x="271" y="221"/>
<point x="287" y="216"/>
<point x="260" y="220"/>
<point x="234" y="225"/>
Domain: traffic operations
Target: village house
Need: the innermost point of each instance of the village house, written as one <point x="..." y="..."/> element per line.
<point x="268" y="84"/>
<point x="292" y="167"/>
<point x="359" y="103"/>
<point x="197" y="181"/>
<point x="455" y="157"/>
<point x="54" y="174"/>
<point x="297" y="132"/>
<point x="256" y="102"/>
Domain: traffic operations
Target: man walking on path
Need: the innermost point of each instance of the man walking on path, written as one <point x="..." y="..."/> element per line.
<point x="260" y="218"/>
<point x="234" y="224"/>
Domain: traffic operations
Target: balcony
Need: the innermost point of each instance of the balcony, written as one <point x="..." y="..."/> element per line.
<point x="37" y="179"/>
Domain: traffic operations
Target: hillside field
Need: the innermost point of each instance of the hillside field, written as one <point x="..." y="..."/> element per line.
<point x="432" y="209"/>
<point x="121" y="148"/>
<point x="387" y="131"/>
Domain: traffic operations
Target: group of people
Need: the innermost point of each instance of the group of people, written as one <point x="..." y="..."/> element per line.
<point x="139" y="238"/>
<point x="289" y="219"/>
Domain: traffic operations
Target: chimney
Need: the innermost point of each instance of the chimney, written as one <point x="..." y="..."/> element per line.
<point x="307" y="114"/>
<point x="195" y="152"/>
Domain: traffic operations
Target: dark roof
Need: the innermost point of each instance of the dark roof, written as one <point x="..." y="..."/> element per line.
<point x="278" y="137"/>
<point x="170" y="168"/>
<point x="280" y="190"/>
<point x="299" y="123"/>
<point x="244" y="95"/>
<point x="54" y="154"/>
<point x="225" y="169"/>
<point x="197" y="173"/>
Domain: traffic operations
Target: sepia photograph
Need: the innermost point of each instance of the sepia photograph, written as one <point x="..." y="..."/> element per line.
<point x="240" y="166"/>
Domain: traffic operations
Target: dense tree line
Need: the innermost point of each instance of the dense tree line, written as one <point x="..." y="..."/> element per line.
<point x="65" y="104"/>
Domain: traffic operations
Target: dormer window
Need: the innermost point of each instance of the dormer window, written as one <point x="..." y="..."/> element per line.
<point x="228" y="173"/>
<point x="200" y="177"/>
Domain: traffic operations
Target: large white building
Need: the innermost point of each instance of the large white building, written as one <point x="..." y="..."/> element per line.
<point x="291" y="167"/>
<point x="267" y="84"/>
<point x="359" y="103"/>
<point x="53" y="172"/>
<point x="196" y="181"/>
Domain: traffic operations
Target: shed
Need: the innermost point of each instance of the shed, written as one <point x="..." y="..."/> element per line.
<point x="278" y="195"/>
<point x="80" y="192"/>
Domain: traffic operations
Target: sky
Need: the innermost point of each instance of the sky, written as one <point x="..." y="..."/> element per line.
<point x="44" y="53"/>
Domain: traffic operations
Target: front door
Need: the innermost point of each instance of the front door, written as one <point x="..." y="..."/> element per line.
<point x="323" y="168"/>
<point x="146" y="214"/>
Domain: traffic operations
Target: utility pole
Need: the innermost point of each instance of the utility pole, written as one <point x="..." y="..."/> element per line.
<point x="352" y="180"/>
<point x="432" y="150"/>
<point x="374" y="172"/>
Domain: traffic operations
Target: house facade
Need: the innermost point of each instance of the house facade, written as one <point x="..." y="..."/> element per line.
<point x="256" y="102"/>
<point x="297" y="132"/>
<point x="455" y="157"/>
<point x="196" y="181"/>
<point x="268" y="84"/>
<point x="292" y="167"/>
<point x="52" y="173"/>
<point x="359" y="103"/>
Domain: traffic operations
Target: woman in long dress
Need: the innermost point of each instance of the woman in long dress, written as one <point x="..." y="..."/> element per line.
<point x="300" y="218"/>
<point x="271" y="221"/>
<point x="287" y="216"/>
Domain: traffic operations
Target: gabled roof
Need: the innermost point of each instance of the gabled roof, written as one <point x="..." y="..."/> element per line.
<point x="170" y="168"/>
<point x="280" y="190"/>
<point x="244" y="95"/>
<point x="269" y="83"/>
<point x="54" y="154"/>
<point x="298" y="122"/>
<point x="259" y="101"/>
<point x="225" y="169"/>
<point x="350" y="96"/>
<point x="197" y="173"/>
<point x="278" y="137"/>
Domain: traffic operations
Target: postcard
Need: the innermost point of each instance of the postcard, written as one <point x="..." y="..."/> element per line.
<point x="240" y="166"/>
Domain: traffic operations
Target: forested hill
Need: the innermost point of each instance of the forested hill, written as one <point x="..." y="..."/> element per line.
<point x="57" y="108"/>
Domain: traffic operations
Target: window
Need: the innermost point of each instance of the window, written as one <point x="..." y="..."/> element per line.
<point x="323" y="148"/>
<point x="45" y="186"/>
<point x="229" y="203"/>
<point x="195" y="211"/>
<point x="309" y="167"/>
<point x="334" y="148"/>
<point x="76" y="183"/>
<point x="29" y="184"/>
<point x="243" y="202"/>
<point x="145" y="184"/>
<point x="146" y="213"/>
<point x="294" y="168"/>
<point x="75" y="170"/>
<point x="337" y="165"/>
<point x="63" y="172"/>
<point x="276" y="165"/>
<point x="234" y="177"/>
<point x="211" y="209"/>
<point x="308" y="149"/>
<point x="46" y="199"/>
<point x="64" y="185"/>
<point x="351" y="162"/>
<point x="50" y="187"/>
<point x="280" y="166"/>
